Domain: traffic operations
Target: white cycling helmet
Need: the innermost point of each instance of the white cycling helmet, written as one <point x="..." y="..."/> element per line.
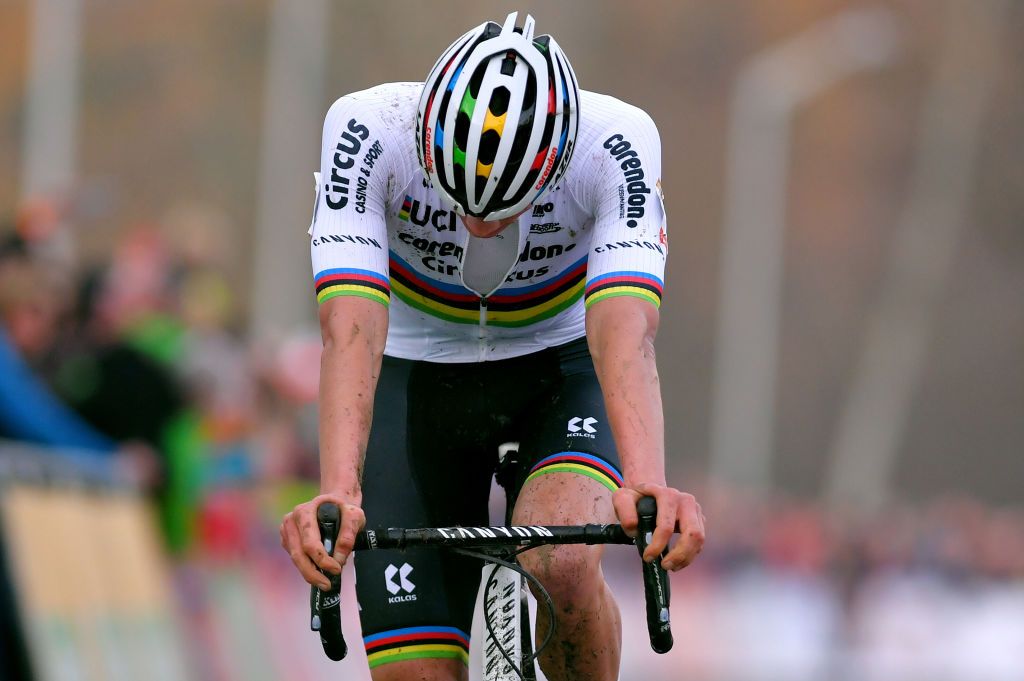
<point x="497" y="119"/>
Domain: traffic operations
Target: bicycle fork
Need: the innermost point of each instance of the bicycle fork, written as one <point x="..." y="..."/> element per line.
<point x="507" y="607"/>
<point x="508" y="603"/>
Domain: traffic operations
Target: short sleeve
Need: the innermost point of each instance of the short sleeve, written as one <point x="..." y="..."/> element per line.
<point x="630" y="243"/>
<point x="349" y="245"/>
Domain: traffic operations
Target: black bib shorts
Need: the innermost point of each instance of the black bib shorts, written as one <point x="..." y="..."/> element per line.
<point x="432" y="453"/>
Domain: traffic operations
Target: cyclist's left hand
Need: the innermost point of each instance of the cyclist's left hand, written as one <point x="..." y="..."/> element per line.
<point x="677" y="512"/>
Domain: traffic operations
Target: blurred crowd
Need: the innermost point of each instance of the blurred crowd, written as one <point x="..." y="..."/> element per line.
<point x="142" y="357"/>
<point x="789" y="590"/>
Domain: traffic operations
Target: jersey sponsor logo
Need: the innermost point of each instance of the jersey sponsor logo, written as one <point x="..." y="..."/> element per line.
<point x="433" y="249"/>
<point x="633" y="205"/>
<point x="345" y="239"/>
<point x="337" y="187"/>
<point x="633" y="243"/>
<point x="526" y="275"/>
<point x="363" y="181"/>
<point x="396" y="580"/>
<point x="544" y="227"/>
<point x="581" y="427"/>
<point x="541" y="208"/>
<point x="442" y="248"/>
<point x="531" y="252"/>
<point x="376" y="149"/>
<point x="421" y="214"/>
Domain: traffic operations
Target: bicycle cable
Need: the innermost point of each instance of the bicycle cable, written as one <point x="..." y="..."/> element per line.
<point x="548" y="603"/>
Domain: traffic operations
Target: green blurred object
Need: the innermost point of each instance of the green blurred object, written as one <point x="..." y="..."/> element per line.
<point x="159" y="336"/>
<point x="289" y="494"/>
<point x="183" y="447"/>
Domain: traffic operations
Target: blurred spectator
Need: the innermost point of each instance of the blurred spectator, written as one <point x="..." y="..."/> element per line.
<point x="120" y="390"/>
<point x="28" y="314"/>
<point x="28" y="302"/>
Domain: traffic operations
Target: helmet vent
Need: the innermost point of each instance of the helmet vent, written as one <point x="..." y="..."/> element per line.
<point x="489" y="147"/>
<point x="481" y="184"/>
<point x="475" y="82"/>
<point x="499" y="101"/>
<point x="462" y="131"/>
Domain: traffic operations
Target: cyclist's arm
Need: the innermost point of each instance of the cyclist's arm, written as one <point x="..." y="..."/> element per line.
<point x="349" y="249"/>
<point x="354" y="331"/>
<point x="624" y="284"/>
<point x="620" y="332"/>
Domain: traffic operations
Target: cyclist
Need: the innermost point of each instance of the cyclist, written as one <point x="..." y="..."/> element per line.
<point x="488" y="249"/>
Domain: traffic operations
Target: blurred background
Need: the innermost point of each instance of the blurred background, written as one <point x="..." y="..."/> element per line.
<point x="841" y="345"/>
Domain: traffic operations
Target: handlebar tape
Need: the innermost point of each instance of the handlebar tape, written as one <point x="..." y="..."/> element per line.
<point x="656" y="585"/>
<point x="325" y="606"/>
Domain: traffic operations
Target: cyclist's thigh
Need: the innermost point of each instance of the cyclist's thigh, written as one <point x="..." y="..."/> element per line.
<point x="417" y="605"/>
<point x="570" y="469"/>
<point x="570" y="466"/>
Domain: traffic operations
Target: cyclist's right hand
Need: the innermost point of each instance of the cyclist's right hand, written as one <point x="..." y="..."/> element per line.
<point x="300" y="537"/>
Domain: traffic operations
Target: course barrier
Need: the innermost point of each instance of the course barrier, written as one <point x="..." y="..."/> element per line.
<point x="87" y="588"/>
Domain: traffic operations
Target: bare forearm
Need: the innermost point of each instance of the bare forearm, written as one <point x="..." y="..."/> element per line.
<point x="621" y="337"/>
<point x="354" y="331"/>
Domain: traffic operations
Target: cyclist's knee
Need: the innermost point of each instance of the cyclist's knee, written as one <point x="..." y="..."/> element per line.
<point x="569" y="573"/>
<point x="421" y="670"/>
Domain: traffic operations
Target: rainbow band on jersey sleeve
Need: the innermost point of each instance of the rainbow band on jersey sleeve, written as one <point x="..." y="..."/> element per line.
<point x="352" y="282"/>
<point x="414" y="643"/>
<point x="613" y="284"/>
<point x="581" y="463"/>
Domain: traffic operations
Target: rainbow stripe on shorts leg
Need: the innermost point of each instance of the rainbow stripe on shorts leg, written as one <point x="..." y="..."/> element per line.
<point x="415" y="643"/>
<point x="579" y="462"/>
<point x="346" y="281"/>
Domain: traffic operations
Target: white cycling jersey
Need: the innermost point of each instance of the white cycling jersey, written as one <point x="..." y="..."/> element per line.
<point x="381" y="232"/>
